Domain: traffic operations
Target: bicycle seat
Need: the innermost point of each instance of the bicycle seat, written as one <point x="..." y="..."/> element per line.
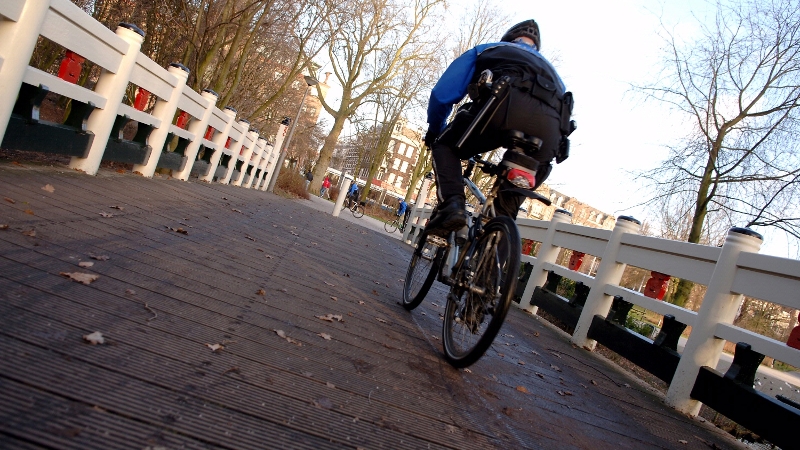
<point x="518" y="139"/>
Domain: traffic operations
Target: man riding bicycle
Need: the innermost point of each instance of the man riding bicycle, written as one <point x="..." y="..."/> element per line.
<point x="535" y="103"/>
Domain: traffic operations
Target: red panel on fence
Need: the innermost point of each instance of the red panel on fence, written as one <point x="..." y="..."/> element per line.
<point x="228" y="143"/>
<point x="576" y="260"/>
<point x="183" y="119"/>
<point x="142" y="97"/>
<point x="656" y="286"/>
<point x="209" y="133"/>
<point x="527" y="246"/>
<point x="794" y="336"/>
<point x="71" y="67"/>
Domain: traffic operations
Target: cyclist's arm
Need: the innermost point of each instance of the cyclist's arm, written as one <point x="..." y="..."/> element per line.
<point x="450" y="89"/>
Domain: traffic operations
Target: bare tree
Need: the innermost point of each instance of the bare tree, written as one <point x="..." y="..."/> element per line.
<point x="387" y="32"/>
<point x="739" y="84"/>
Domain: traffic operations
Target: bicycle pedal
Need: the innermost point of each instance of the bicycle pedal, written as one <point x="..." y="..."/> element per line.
<point x="437" y="241"/>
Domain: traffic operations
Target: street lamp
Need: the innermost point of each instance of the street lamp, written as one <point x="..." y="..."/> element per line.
<point x="310" y="81"/>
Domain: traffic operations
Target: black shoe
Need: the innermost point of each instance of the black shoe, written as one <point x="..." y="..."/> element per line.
<point x="450" y="216"/>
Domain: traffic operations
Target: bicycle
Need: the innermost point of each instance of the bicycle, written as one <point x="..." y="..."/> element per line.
<point x="480" y="263"/>
<point x="399" y="223"/>
<point x="357" y="208"/>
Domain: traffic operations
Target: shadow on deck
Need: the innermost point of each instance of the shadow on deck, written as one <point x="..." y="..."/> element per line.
<point x="249" y="264"/>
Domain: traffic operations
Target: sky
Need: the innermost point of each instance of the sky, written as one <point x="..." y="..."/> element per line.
<point x="600" y="50"/>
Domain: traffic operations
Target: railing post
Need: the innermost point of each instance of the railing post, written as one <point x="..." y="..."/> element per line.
<point x="219" y="139"/>
<point x="112" y="86"/>
<point x="17" y="41"/>
<point x="280" y="136"/>
<point x="547" y="254"/>
<point x="263" y="166"/>
<point x="720" y="305"/>
<point x="235" y="150"/>
<point x="248" y="152"/>
<point x="164" y="110"/>
<point x="609" y="272"/>
<point x="260" y="149"/>
<point x="337" y="208"/>
<point x="419" y="205"/>
<point x="198" y="129"/>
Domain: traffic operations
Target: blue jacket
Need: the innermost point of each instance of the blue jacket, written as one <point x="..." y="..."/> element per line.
<point x="402" y="207"/>
<point x="452" y="86"/>
<point x="353" y="188"/>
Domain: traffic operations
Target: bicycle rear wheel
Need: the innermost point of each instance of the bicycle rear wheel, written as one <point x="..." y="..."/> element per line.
<point x="477" y="305"/>
<point x="358" y="211"/>
<point x="390" y="227"/>
<point x="421" y="273"/>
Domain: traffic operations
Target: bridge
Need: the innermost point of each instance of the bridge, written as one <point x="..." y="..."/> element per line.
<point x="197" y="310"/>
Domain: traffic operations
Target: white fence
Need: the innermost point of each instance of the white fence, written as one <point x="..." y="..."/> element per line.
<point x="22" y="22"/>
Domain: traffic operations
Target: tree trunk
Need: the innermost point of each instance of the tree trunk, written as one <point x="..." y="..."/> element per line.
<point x="327" y="151"/>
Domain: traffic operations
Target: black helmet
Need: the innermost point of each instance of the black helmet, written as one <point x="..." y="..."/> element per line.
<point x="527" y="28"/>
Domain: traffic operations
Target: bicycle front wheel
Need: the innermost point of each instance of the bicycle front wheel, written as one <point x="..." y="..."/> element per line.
<point x="421" y="273"/>
<point x="358" y="211"/>
<point x="485" y="283"/>
<point x="390" y="227"/>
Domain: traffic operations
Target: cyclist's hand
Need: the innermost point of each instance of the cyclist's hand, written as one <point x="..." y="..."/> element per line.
<point x="430" y="137"/>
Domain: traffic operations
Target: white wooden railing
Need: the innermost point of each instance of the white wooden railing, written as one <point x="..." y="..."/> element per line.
<point x="729" y="272"/>
<point x="22" y="22"/>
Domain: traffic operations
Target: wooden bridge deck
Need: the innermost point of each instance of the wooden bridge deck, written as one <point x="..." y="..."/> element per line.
<point x="251" y="263"/>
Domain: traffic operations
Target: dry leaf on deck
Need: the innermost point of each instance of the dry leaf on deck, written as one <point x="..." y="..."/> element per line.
<point x="4" y="226"/>
<point x="99" y="257"/>
<point x="85" y="278"/>
<point x="683" y="441"/>
<point x="31" y="233"/>
<point x="280" y="333"/>
<point x="330" y="317"/>
<point x="521" y="362"/>
<point x="261" y="292"/>
<point x="380" y="320"/>
<point x="330" y="284"/>
<point x="450" y="428"/>
<point x="330" y="385"/>
<point x="268" y="257"/>
<point x="323" y="402"/>
<point x="556" y="368"/>
<point x="325" y="336"/>
<point x="49" y="188"/>
<point x="334" y="298"/>
<point x="29" y="211"/>
<point x="116" y="207"/>
<point x="236" y="210"/>
<point x="539" y="375"/>
<point x="467" y="370"/>
<point x="251" y="238"/>
<point x="215" y="347"/>
<point x="360" y="302"/>
<point x="522" y="389"/>
<point x="94" y="338"/>
<point x="593" y="382"/>
<point x="9" y="200"/>
<point x="105" y="214"/>
<point x="85" y="264"/>
<point x="130" y="292"/>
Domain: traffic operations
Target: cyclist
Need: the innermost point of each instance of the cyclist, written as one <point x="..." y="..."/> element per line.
<point x="401" y="207"/>
<point x="352" y="194"/>
<point x="536" y="103"/>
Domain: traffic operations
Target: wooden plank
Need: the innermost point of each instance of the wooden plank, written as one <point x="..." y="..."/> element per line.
<point x="68" y="25"/>
<point x="35" y="77"/>
<point x="761" y="344"/>
<point x="150" y="76"/>
<point x="139" y="116"/>
<point x="192" y="103"/>
<point x="776" y="280"/>
<point x="11" y="10"/>
<point x="678" y="259"/>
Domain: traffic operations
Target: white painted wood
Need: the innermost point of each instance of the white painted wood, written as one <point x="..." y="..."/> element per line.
<point x="111" y="86"/>
<point x="180" y="132"/>
<point x="571" y="274"/>
<point x="761" y="344"/>
<point x="337" y="207"/>
<point x="218" y="119"/>
<point x="769" y="278"/>
<point x="209" y="144"/>
<point x="591" y="241"/>
<point x="139" y="116"/>
<point x="682" y="315"/>
<point x="416" y="219"/>
<point x="534" y="230"/>
<point x="11" y="10"/>
<point x="237" y="131"/>
<point x="68" y="25"/>
<point x="36" y="77"/>
<point x="247" y="151"/>
<point x="153" y="78"/>
<point x="192" y="103"/>
<point x="164" y="110"/>
<point x="719" y="306"/>
<point x="197" y="128"/>
<point x="219" y="140"/>
<point x="255" y="161"/>
<point x="609" y="272"/>
<point x="17" y="42"/>
<point x="678" y="259"/>
<point x="236" y="147"/>
<point x="547" y="254"/>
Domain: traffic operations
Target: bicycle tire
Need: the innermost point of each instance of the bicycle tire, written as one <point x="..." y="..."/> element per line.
<point x="391" y="227"/>
<point x="421" y="273"/>
<point x="358" y="211"/>
<point x="495" y="270"/>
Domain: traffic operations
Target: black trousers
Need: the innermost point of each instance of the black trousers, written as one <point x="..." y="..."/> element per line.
<point x="519" y="111"/>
